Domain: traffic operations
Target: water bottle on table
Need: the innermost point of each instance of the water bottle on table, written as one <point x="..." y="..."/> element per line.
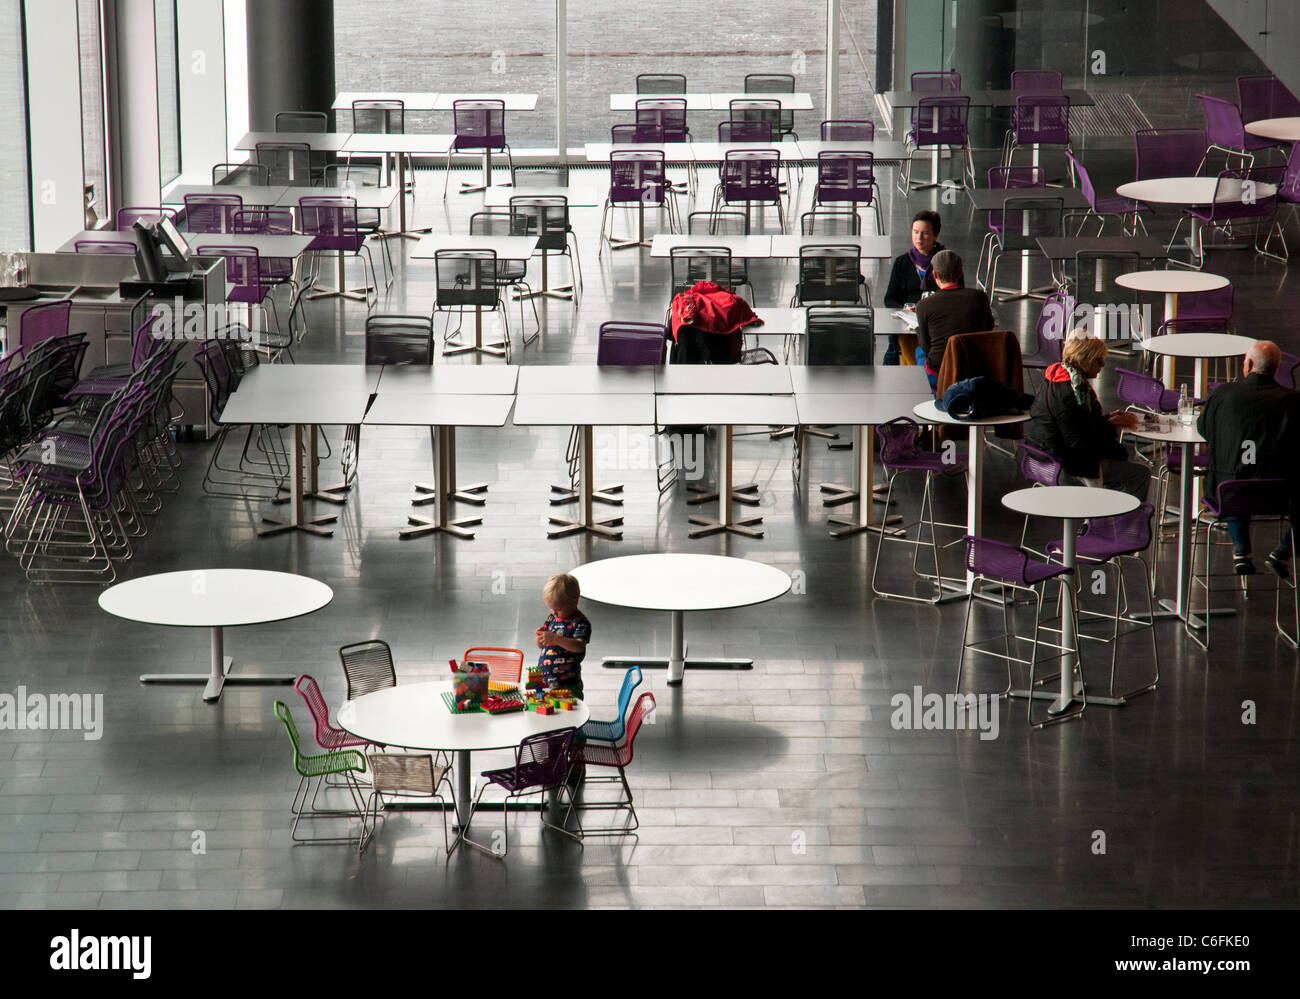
<point x="1186" y="415"/>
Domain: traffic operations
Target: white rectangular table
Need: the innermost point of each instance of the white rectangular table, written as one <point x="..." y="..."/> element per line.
<point x="755" y="247"/>
<point x="869" y="247"/>
<point x="729" y="379"/>
<point x="674" y="152"/>
<point x="577" y="197"/>
<point x="512" y="102"/>
<point x="695" y="101"/>
<point x="882" y="150"/>
<point x="305" y="395"/>
<point x="252" y="195"/>
<point x="320" y="142"/>
<point x="401" y="146"/>
<point x="442" y="414"/>
<point x="585" y="379"/>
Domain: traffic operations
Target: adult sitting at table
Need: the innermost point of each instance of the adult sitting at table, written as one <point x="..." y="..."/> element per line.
<point x="911" y="276"/>
<point x="1067" y="421"/>
<point x="952" y="309"/>
<point x="1252" y="429"/>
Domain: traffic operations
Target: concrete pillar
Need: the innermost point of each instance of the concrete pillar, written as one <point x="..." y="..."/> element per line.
<point x="290" y="59"/>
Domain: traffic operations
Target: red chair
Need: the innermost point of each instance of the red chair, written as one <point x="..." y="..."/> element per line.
<point x="327" y="735"/>
<point x="614" y="757"/>
<point x="504" y="665"/>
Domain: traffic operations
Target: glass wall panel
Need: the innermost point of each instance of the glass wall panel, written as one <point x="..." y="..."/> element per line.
<point x="15" y="214"/>
<point x="169" y="128"/>
<point x="92" y="102"/>
<point x="857" y="59"/>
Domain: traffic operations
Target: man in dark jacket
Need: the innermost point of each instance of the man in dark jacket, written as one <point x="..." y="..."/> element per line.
<point x="1252" y="428"/>
<point x="949" y="311"/>
<point x="1067" y="421"/>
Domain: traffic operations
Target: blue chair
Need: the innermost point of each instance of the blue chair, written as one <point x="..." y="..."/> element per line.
<point x="612" y="731"/>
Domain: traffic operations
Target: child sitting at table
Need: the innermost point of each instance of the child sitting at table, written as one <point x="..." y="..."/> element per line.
<point x="563" y="636"/>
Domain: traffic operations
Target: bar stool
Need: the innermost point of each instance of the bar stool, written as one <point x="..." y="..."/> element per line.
<point x="899" y="453"/>
<point x="1016" y="570"/>
<point x="1041" y="469"/>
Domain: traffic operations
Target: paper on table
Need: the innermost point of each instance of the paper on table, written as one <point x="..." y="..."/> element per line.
<point x="908" y="317"/>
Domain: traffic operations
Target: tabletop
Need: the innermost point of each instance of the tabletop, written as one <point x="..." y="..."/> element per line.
<point x="424" y="100"/>
<point x="1282" y="129"/>
<point x="321" y="142"/>
<point x="412" y="409"/>
<point x="858" y="410"/>
<point x="711" y="152"/>
<point x="726" y="410"/>
<point x="266" y="246"/>
<point x="782" y="321"/>
<point x="585" y="379"/>
<point x="928" y="412"/>
<point x="723" y="379"/>
<point x="577" y="197"/>
<point x="365" y="197"/>
<point x="663" y="243"/>
<point x="215" y="598"/>
<point x="869" y="247"/>
<point x="1070" y="502"/>
<point x="1065" y="247"/>
<point x="680" y="582"/>
<point x="830" y="379"/>
<point x="882" y="150"/>
<point x="1176" y="434"/>
<point x="1171" y="281"/>
<point x="513" y="102"/>
<point x="414" y="716"/>
<point x="1199" y="344"/>
<point x="674" y="152"/>
<point x="428" y="143"/>
<point x="564" y="409"/>
<point x="505" y="247"/>
<point x="1190" y="190"/>
<point x="261" y="195"/>
<point x="461" y="379"/>
<point x="303" y="394"/>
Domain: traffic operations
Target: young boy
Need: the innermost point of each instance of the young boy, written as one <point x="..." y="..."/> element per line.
<point x="563" y="636"/>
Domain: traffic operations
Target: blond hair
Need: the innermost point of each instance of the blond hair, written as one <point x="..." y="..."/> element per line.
<point x="561" y="588"/>
<point x="1082" y="350"/>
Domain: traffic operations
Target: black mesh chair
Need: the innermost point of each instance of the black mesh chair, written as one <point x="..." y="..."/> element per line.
<point x="509" y="273"/>
<point x="831" y="222"/>
<point x="381" y="117"/>
<point x="1024" y="221"/>
<point x="356" y="173"/>
<point x="829" y="273"/>
<point x="394" y="339"/>
<point x="541" y="176"/>
<point x="660" y="83"/>
<point x="306" y="121"/>
<point x="757" y="109"/>
<point x="835" y="335"/>
<point x="724" y="224"/>
<point x="241" y="174"/>
<point x="693" y="264"/>
<point x="774" y="83"/>
<point x="547" y="218"/>
<point x="368" y="667"/>
<point x="288" y="163"/>
<point x="473" y="279"/>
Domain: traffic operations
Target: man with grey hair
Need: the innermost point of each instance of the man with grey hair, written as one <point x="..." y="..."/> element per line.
<point x="947" y="312"/>
<point x="1252" y="429"/>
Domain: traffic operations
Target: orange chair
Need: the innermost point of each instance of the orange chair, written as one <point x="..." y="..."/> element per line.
<point x="504" y="665"/>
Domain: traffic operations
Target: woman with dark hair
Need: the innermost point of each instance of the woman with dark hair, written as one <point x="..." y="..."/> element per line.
<point x="913" y="273"/>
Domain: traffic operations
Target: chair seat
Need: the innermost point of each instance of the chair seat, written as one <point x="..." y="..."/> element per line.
<point x="1095" y="549"/>
<point x="601" y="755"/>
<point x="526" y="775"/>
<point x="334" y="762"/>
<point x="1119" y="206"/>
<point x="926" y="461"/>
<point x="601" y="731"/>
<point x="1022" y="573"/>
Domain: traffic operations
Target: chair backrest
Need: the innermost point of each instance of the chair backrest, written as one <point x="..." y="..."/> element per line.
<point x="264" y="221"/>
<point x="467" y="278"/>
<point x="1223" y="125"/>
<point x="301" y="121"/>
<point x="542" y="760"/>
<point x="240" y="174"/>
<point x="286" y="162"/>
<point x="368" y="666"/>
<point x="628" y="134"/>
<point x="1285" y="374"/>
<point x="1036" y="79"/>
<point x="689" y="265"/>
<point x="829" y="273"/>
<point x="995" y="353"/>
<point x="327" y="735"/>
<point x="1043" y="119"/>
<point x="660" y="83"/>
<point x="1262" y="95"/>
<point x="43" y="322"/>
<point x="831" y="222"/>
<point x="1006" y="178"/>
<point x="332" y="221"/>
<point x="631" y="344"/>
<point x="1055" y="320"/>
<point x="1095" y="271"/>
<point x="839" y="335"/>
<point x="848" y="130"/>
<point x="846" y="176"/>
<point x="935" y="80"/>
<point x="1085" y="179"/>
<point x="773" y="83"/>
<point x="744" y="131"/>
<point x="1133" y="388"/>
<point x="1250" y="497"/>
<point x="104" y="246"/>
<point x="243" y="270"/>
<point x="631" y="680"/>
<point x="942" y="121"/>
<point x="1289" y="189"/>
<point x="1125" y="533"/>
<point x="379" y="116"/>
<point x="393" y="339"/>
<point x="718" y="223"/>
<point x="353" y="173"/>
<point x="211" y="212"/>
<point x="127" y="217"/>
<point x="1230" y="201"/>
<point x="758" y="355"/>
<point x="637" y="176"/>
<point x="1037" y="466"/>
<point x="556" y="175"/>
<point x="668" y="114"/>
<point x="1039" y="215"/>
<point x="285" y="715"/>
<point x="999" y="560"/>
<point x="543" y="216"/>
<point x="644" y="705"/>
<point x="898" y="439"/>
<point x="756" y="109"/>
<point x="504" y="665"/>
<point x="1168" y="152"/>
<point x="751" y="175"/>
<point x="479" y="124"/>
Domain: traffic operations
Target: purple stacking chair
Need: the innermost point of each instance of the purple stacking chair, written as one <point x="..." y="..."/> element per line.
<point x="1036" y="79"/>
<point x="1231" y="205"/>
<point x="1055" y="320"/>
<point x="1226" y="132"/>
<point x="127" y="217"/>
<point x="744" y="131"/>
<point x="1103" y="208"/>
<point x="1168" y="152"/>
<point x="332" y="222"/>
<point x="244" y="272"/>
<point x="111" y="246"/>
<point x="106" y="379"/>
<point x="940" y="121"/>
<point x="542" y="763"/>
<point x="631" y="344"/>
<point x="270" y="222"/>
<point x="1260" y="96"/>
<point x="848" y="130"/>
<point x="43" y="322"/>
<point x="211" y="212"/>
<point x="900" y="453"/>
<point x="480" y="127"/>
<point x="1108" y="542"/>
<point x="930" y="82"/>
<point x="1011" y="568"/>
<point x="637" y="179"/>
<point x="668" y="114"/>
<point x="1040" y="469"/>
<point x="1005" y="178"/>
<point x="1262" y="500"/>
<point x="848" y="178"/>
<point x="1039" y="120"/>
<point x="751" y="176"/>
<point x="1288" y="192"/>
<point x="1201" y="312"/>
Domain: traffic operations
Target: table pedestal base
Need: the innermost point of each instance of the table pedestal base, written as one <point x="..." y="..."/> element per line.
<point x="1170" y="610"/>
<point x="676" y="662"/>
<point x="214" y="681"/>
<point x="611" y="528"/>
<point x="312" y="526"/>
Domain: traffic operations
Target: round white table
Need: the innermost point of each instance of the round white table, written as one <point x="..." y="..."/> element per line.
<point x="1071" y="504"/>
<point x="1191" y="192"/>
<point x="215" y="599"/>
<point x="414" y="716"/>
<point x="928" y="412"/>
<point x="1200" y="347"/>
<point x="1279" y="129"/>
<point x="678" y="584"/>
<point x="1171" y="284"/>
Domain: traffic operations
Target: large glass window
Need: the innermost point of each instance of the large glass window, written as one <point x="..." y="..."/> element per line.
<point x="451" y="45"/>
<point x="92" y="104"/>
<point x="857" y="59"/>
<point x="15" y="215"/>
<point x="169" y="127"/>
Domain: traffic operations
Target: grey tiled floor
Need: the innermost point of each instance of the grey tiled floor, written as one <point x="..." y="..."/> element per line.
<point x="784" y="786"/>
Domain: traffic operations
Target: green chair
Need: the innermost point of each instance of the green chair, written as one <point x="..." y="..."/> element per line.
<point x="316" y="768"/>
